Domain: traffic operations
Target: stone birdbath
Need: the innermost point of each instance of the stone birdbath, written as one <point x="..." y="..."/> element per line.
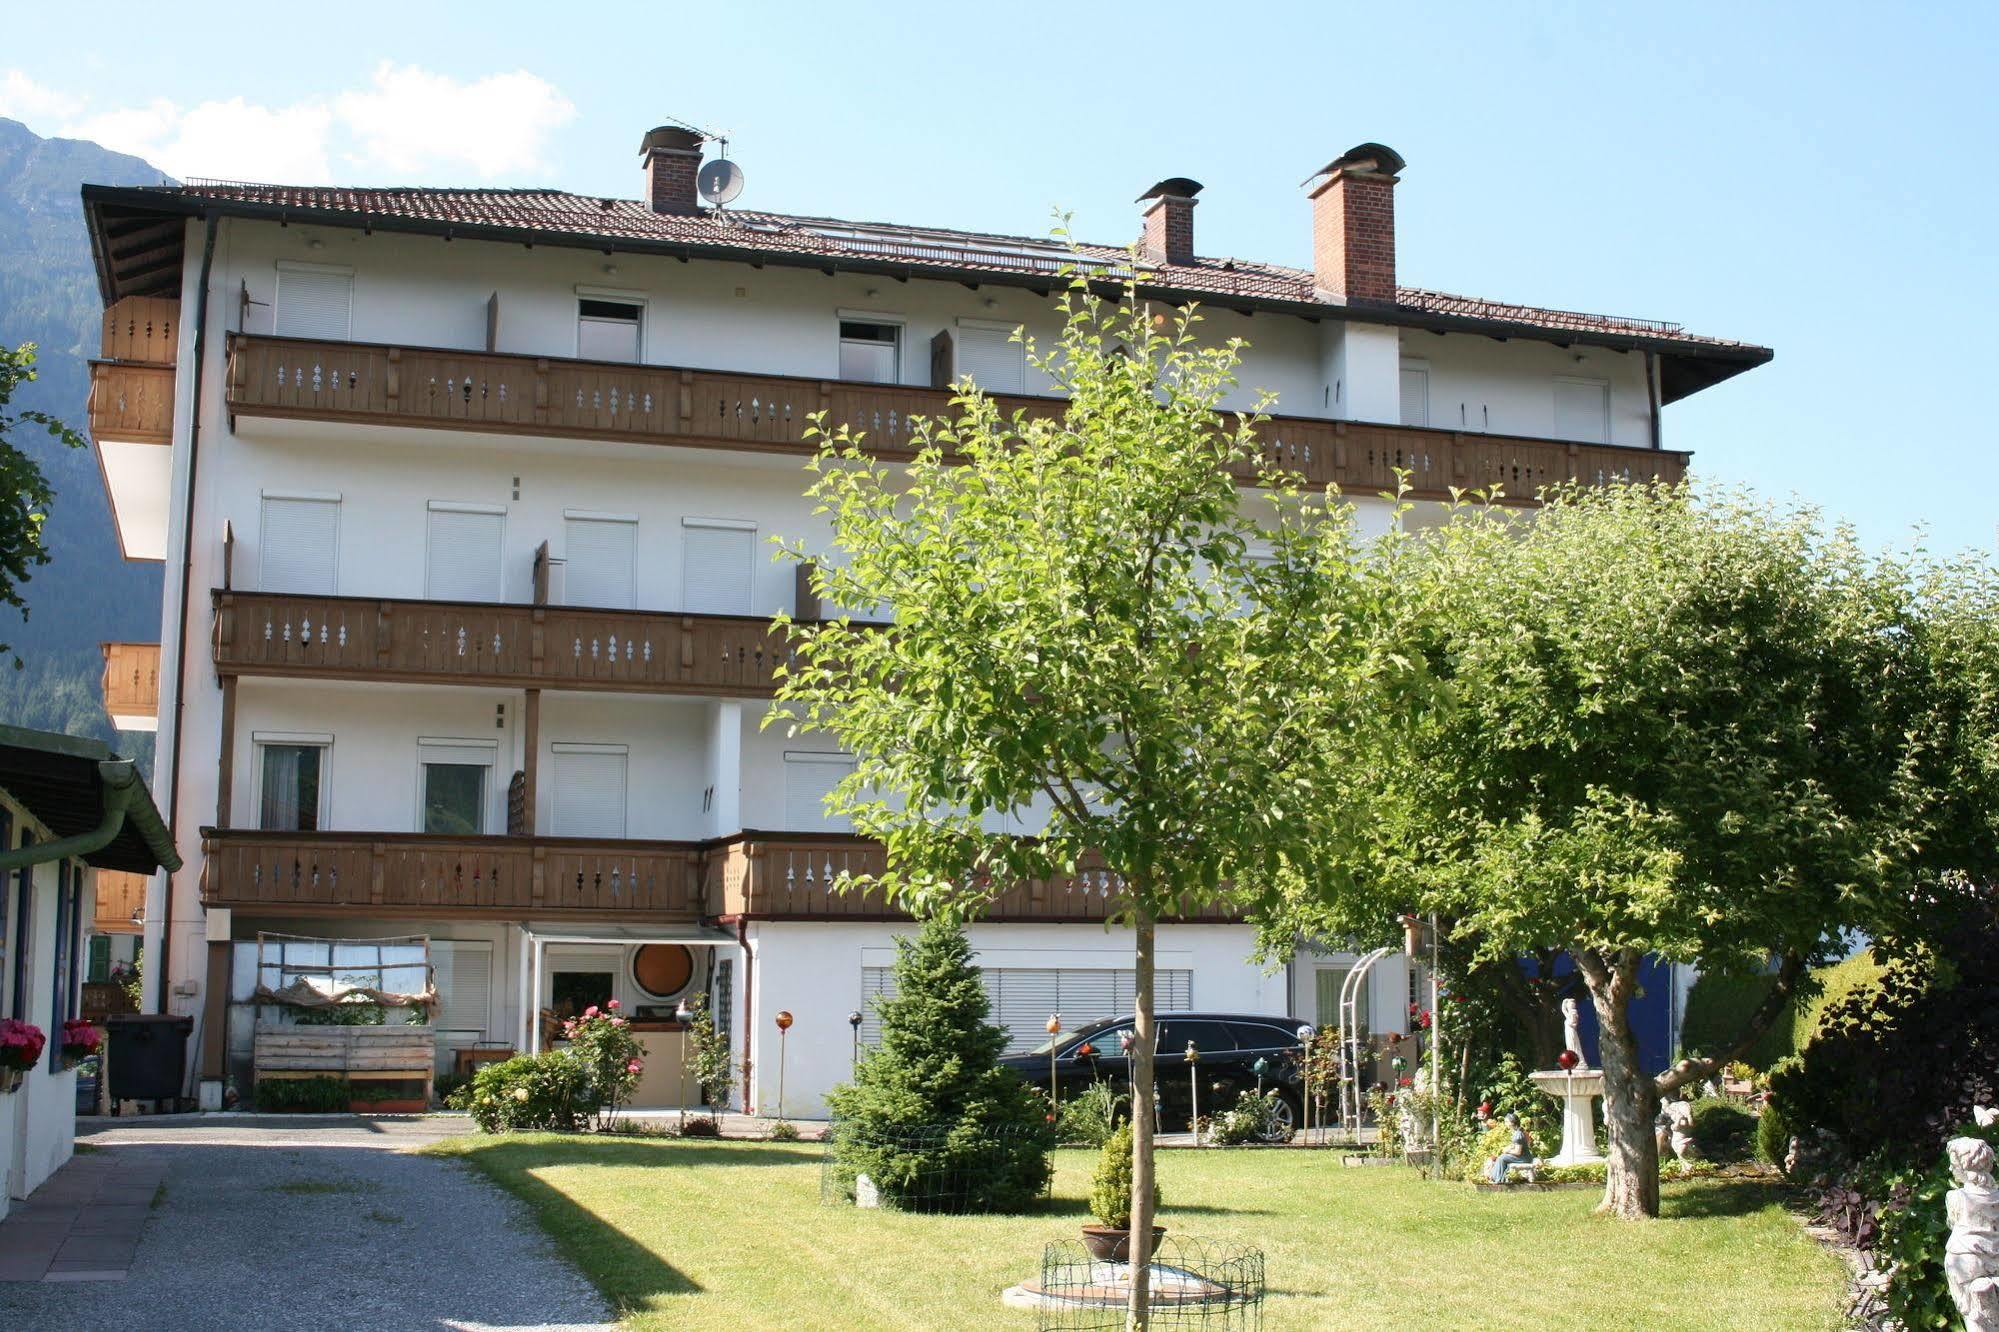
<point x="1575" y="1088"/>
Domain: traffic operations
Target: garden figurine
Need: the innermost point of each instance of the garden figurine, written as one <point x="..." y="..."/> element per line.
<point x="1519" y="1150"/>
<point x="1677" y="1121"/>
<point x="1572" y="1031"/>
<point x="1971" y="1255"/>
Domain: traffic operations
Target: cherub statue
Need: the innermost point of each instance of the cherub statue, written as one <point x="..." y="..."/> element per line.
<point x="1971" y="1255"/>
<point x="1572" y="1030"/>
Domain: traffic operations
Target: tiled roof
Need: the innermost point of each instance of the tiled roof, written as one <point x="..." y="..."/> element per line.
<point x="556" y="212"/>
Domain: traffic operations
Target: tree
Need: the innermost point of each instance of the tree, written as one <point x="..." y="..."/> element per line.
<point x="931" y="1118"/>
<point x="1681" y="728"/>
<point x="1096" y="634"/>
<point x="25" y="494"/>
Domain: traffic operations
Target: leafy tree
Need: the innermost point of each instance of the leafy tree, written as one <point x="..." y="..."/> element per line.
<point x="1683" y="729"/>
<point x="931" y="1118"/>
<point x="1096" y="633"/>
<point x="25" y="494"/>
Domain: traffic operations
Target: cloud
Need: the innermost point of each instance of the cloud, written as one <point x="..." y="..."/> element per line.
<point x="408" y="124"/>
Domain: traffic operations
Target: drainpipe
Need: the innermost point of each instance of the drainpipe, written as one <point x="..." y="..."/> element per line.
<point x="120" y="781"/>
<point x="749" y="1007"/>
<point x="161" y="967"/>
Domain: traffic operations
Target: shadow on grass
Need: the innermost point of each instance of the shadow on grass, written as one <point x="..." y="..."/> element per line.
<point x="1077" y="1206"/>
<point x="613" y="1150"/>
<point x="1735" y="1197"/>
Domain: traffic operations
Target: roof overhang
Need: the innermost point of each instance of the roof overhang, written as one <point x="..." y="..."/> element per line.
<point x="138" y="478"/>
<point x="57" y="778"/>
<point x="574" y="932"/>
<point x="135" y="257"/>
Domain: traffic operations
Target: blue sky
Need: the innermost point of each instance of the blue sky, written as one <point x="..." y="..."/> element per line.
<point x="1819" y="179"/>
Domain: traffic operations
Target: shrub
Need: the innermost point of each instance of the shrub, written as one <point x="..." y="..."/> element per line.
<point x="1718" y="1007"/>
<point x="708" y="1054"/>
<point x="1913" y="1230"/>
<point x="1509" y="1090"/>
<point x="930" y="1117"/>
<point x="781" y="1131"/>
<point x="1773" y="1136"/>
<point x="1724" y="1130"/>
<point x="551" y="1090"/>
<point x="315" y="1095"/>
<point x="1253" y="1118"/>
<point x="702" y="1126"/>
<point x="1110" y="1186"/>
<point x="1090" y="1116"/>
<point x="602" y="1042"/>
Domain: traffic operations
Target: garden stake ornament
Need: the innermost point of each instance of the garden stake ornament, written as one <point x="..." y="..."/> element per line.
<point x="783" y="1026"/>
<point x="1054" y="1095"/>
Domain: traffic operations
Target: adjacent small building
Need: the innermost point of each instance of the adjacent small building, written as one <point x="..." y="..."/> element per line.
<point x="69" y="809"/>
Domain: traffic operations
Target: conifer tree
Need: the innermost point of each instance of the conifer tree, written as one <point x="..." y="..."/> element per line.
<point x="931" y="1119"/>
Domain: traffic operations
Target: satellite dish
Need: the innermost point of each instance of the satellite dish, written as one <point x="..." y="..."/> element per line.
<point x="720" y="181"/>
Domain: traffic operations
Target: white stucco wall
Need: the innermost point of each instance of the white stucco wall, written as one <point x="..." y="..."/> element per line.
<point x="1486" y="386"/>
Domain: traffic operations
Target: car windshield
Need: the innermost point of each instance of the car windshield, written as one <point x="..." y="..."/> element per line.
<point x="1070" y="1040"/>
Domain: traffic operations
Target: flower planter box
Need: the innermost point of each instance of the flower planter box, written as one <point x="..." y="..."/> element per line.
<point x="358" y="1054"/>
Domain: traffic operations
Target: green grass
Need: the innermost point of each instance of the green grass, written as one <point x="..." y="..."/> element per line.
<point x="731" y="1235"/>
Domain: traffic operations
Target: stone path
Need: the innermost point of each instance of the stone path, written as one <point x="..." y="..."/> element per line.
<point x="84" y="1222"/>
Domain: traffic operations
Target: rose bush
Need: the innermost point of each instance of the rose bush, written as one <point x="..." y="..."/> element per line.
<point x="602" y="1041"/>
<point x="552" y="1091"/>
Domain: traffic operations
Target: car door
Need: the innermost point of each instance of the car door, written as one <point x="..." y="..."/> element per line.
<point x="1215" y="1044"/>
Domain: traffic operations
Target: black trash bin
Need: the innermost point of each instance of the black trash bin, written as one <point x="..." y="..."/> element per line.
<point x="148" y="1056"/>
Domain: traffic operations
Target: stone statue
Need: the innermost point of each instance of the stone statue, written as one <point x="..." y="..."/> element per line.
<point x="1572" y="1030"/>
<point x="1676" y="1130"/>
<point x="1971" y="1255"/>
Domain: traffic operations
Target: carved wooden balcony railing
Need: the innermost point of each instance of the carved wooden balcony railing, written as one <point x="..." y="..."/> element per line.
<point x="522" y="646"/>
<point x="132" y="387"/>
<point x="419" y="873"/>
<point x="548" y="396"/>
<point x="132" y="684"/>
<point x="790" y="876"/>
<point x="121" y="895"/>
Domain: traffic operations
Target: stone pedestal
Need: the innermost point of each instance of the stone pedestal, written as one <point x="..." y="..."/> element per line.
<point x="1575" y="1091"/>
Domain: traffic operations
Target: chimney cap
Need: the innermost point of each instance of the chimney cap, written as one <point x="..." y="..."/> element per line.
<point x="671" y="138"/>
<point x="1377" y="158"/>
<point x="1173" y="187"/>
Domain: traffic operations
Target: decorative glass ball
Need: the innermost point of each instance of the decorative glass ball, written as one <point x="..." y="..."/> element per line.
<point x="1568" y="1059"/>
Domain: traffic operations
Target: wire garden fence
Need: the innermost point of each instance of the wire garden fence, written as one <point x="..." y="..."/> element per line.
<point x="1194" y="1283"/>
<point x="946" y="1168"/>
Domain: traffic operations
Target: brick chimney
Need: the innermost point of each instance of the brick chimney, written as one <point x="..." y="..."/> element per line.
<point x="672" y="158"/>
<point x="1169" y="222"/>
<point x="1353" y="225"/>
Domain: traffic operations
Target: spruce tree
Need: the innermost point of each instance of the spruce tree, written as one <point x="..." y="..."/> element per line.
<point x="931" y="1119"/>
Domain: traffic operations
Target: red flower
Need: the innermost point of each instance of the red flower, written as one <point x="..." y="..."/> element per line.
<point x="1408" y="1082"/>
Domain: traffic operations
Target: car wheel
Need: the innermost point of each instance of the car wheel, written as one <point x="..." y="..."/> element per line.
<point x="1284" y="1118"/>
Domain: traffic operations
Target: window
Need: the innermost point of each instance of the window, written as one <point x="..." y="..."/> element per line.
<point x="314" y="301"/>
<point x="1328" y="981"/>
<point x="589" y="790"/>
<point x="1208" y="1038"/>
<point x="570" y="992"/>
<point x="98" y="968"/>
<point x="24" y="932"/>
<point x="1023" y="997"/>
<point x="870" y="352"/>
<point x="598" y="560"/>
<point x="291" y="791"/>
<point x="464" y="558"/>
<point x="1263" y="1036"/>
<point x="1582" y="410"/>
<point x="6" y="913"/>
<point x="993" y="360"/>
<point x="663" y="970"/>
<point x="300" y="543"/>
<point x="1415" y="395"/>
<point x="608" y="330"/>
<point x="808" y="780"/>
<point x="718" y="571"/>
<point x="69" y="933"/>
<point x="457" y="777"/>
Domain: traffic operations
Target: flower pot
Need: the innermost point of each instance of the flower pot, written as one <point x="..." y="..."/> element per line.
<point x="1109" y="1245"/>
<point x="10" y="1078"/>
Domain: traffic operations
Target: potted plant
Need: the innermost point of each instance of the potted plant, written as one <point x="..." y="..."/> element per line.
<point x="80" y="1040"/>
<point x="1110" y="1200"/>
<point x="20" y="1046"/>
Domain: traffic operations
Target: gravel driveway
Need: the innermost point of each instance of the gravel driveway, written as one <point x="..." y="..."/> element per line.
<point x="316" y="1223"/>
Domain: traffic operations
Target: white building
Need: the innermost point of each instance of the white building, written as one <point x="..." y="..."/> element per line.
<point x="465" y="497"/>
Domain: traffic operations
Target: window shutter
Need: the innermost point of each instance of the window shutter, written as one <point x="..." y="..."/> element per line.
<point x="465" y="555"/>
<point x="994" y="361"/>
<point x="1415" y="397"/>
<point x="299" y="545"/>
<point x="314" y="305"/>
<point x="589" y="793"/>
<point x="808" y="778"/>
<point x="717" y="576"/>
<point x="464" y="974"/>
<point x="1582" y="411"/>
<point x="597" y="566"/>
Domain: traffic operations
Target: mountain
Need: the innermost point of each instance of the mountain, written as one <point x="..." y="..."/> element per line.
<point x="88" y="593"/>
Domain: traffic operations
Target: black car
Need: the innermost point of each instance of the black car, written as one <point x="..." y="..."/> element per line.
<point x="1230" y="1045"/>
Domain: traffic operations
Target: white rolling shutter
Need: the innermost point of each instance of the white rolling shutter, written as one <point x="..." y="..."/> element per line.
<point x="464" y="561"/>
<point x="464" y="973"/>
<point x="718" y="568"/>
<point x="992" y="359"/>
<point x="1582" y="410"/>
<point x="597" y="565"/>
<point x="299" y="545"/>
<point x="1415" y="396"/>
<point x="314" y="303"/>
<point x="589" y="791"/>
<point x="1023" y="997"/>
<point x="808" y="779"/>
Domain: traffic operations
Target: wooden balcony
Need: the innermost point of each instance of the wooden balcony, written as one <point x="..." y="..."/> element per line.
<point x="132" y="685"/>
<point x="646" y="404"/>
<point x="514" y="646"/>
<point x="404" y="874"/>
<point x="121" y="901"/>
<point x="131" y="404"/>
<point x="790" y="876"/>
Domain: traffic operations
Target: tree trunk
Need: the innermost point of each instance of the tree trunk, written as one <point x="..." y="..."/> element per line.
<point x="1138" y="1313"/>
<point x="1631" y="1179"/>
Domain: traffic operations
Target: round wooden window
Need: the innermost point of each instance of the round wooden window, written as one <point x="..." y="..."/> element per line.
<point x="663" y="970"/>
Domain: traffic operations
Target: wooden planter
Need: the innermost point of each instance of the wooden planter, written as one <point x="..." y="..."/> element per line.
<point x="358" y="1054"/>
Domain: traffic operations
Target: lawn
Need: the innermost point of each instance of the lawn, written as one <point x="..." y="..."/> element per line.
<point x="732" y="1235"/>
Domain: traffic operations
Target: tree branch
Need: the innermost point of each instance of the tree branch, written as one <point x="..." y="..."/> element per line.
<point x="1789" y="972"/>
